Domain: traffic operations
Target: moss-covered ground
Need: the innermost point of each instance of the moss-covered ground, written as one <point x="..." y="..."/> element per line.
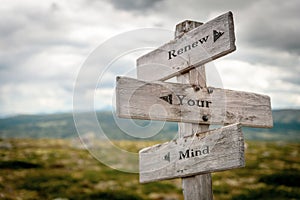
<point x="55" y="169"/>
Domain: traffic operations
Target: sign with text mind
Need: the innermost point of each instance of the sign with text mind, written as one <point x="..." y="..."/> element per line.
<point x="215" y="150"/>
<point x="196" y="47"/>
<point x="186" y="103"/>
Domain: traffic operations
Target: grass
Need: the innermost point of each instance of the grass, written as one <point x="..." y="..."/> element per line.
<point x="53" y="168"/>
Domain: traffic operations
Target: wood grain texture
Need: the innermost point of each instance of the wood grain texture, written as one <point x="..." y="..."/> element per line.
<point x="192" y="49"/>
<point x="142" y="100"/>
<point x="215" y="150"/>
<point x="198" y="186"/>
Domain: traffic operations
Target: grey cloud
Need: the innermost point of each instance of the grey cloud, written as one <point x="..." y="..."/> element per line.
<point x="286" y="64"/>
<point x="293" y="79"/>
<point x="257" y="55"/>
<point x="27" y="32"/>
<point x="24" y="28"/>
<point x="272" y="25"/>
<point x="54" y="7"/>
<point x="174" y="11"/>
<point x="134" y="5"/>
<point x="33" y="27"/>
<point x="267" y="33"/>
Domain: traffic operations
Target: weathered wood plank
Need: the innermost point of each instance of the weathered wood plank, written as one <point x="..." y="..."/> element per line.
<point x="196" y="47"/>
<point x="185" y="103"/>
<point x="198" y="186"/>
<point x="215" y="150"/>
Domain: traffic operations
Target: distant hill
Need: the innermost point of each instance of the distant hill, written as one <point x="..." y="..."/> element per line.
<point x="63" y="126"/>
<point x="286" y="127"/>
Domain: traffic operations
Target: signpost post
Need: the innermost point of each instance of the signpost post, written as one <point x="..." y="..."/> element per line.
<point x="199" y="186"/>
<point x="197" y="152"/>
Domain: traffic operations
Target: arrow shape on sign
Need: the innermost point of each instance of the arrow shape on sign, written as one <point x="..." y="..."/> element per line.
<point x="167" y="98"/>
<point x="217" y="35"/>
<point x="167" y="157"/>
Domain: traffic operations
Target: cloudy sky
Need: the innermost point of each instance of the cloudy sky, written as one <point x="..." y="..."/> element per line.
<point x="45" y="44"/>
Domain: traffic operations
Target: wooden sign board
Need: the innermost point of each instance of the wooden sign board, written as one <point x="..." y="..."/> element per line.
<point x="185" y="103"/>
<point x="196" y="47"/>
<point x="216" y="150"/>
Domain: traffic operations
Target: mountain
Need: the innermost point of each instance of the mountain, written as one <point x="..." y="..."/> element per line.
<point x="63" y="126"/>
<point x="286" y="127"/>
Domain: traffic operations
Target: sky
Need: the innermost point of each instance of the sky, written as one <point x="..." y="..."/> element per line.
<point x="45" y="46"/>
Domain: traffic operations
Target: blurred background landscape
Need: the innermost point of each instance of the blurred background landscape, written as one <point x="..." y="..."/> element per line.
<point x="61" y="126"/>
<point x="43" y="158"/>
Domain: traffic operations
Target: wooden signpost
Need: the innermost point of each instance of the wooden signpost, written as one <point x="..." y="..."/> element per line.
<point x="211" y="151"/>
<point x="196" y="47"/>
<point x="198" y="151"/>
<point x="183" y="103"/>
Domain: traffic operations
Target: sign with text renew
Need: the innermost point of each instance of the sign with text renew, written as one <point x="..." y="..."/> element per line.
<point x="216" y="150"/>
<point x="196" y="47"/>
<point x="186" y="103"/>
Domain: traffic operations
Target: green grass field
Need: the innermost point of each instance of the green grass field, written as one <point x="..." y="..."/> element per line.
<point x="55" y="169"/>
